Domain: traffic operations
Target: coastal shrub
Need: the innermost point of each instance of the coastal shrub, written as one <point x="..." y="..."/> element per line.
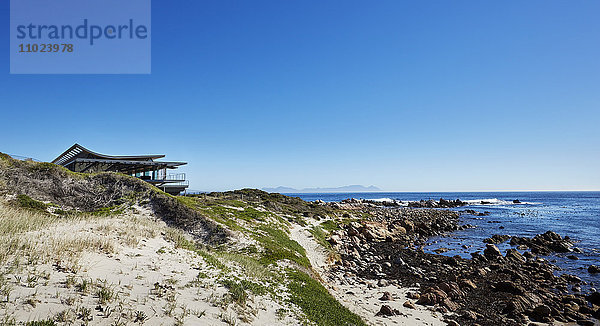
<point x="30" y="203"/>
<point x="315" y="301"/>
<point x="236" y="291"/>
<point x="239" y="290"/>
<point x="105" y="294"/>
<point x="330" y="225"/>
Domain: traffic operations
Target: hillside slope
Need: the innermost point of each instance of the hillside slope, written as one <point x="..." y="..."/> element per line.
<point x="108" y="249"/>
<point x="101" y="191"/>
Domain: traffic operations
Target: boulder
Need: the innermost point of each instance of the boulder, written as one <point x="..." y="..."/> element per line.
<point x="386" y="296"/>
<point x="386" y="310"/>
<point x="541" y="313"/>
<point x="594" y="298"/>
<point x="491" y="251"/>
<point x="509" y="287"/>
<point x="514" y="255"/>
<point x="451" y="305"/>
<point x="593" y="269"/>
<point x="432" y="296"/>
<point x="497" y="238"/>
<point x="521" y="303"/>
<point x="452" y="290"/>
<point x="409" y="304"/>
<point x="469" y="315"/>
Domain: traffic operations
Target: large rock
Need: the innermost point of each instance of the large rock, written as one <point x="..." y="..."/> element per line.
<point x="409" y="304"/>
<point x="432" y="296"/>
<point x="594" y="298"/>
<point x="386" y="296"/>
<point x="521" y="303"/>
<point x="509" y="287"/>
<point x="491" y="251"/>
<point x="497" y="238"/>
<point x="544" y="244"/>
<point x="386" y="310"/>
<point x="451" y="305"/>
<point x="541" y="313"/>
<point x="452" y="290"/>
<point x="514" y="255"/>
<point x="593" y="269"/>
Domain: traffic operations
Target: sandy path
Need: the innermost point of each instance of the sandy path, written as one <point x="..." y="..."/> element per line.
<point x="362" y="299"/>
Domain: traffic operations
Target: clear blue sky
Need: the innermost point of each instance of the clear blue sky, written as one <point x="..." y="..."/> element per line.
<point x="404" y="95"/>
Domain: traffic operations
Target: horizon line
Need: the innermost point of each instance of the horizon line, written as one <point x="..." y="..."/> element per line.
<point x="403" y="191"/>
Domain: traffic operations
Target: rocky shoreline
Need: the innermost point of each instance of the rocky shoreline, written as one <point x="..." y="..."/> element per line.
<point x="491" y="288"/>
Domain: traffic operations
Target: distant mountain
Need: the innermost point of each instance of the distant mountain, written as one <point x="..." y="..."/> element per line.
<point x="281" y="189"/>
<point x="351" y="188"/>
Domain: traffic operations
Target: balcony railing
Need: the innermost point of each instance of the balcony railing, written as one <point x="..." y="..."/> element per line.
<point x="170" y="178"/>
<point x="174" y="177"/>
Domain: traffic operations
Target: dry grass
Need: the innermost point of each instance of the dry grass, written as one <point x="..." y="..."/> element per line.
<point x="38" y="237"/>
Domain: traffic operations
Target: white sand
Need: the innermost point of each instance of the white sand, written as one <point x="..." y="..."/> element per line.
<point x="130" y="274"/>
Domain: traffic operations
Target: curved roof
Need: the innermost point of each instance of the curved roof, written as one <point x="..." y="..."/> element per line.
<point x="78" y="151"/>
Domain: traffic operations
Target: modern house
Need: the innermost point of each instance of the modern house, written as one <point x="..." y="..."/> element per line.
<point x="146" y="167"/>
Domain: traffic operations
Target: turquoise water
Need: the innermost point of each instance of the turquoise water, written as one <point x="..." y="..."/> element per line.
<point x="576" y="214"/>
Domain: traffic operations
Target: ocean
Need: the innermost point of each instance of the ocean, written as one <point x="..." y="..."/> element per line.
<point x="573" y="214"/>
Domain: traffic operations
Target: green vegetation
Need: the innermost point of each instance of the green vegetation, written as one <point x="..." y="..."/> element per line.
<point x="293" y="207"/>
<point x="211" y="260"/>
<point x="320" y="236"/>
<point x="83" y="286"/>
<point x="316" y="302"/>
<point x="271" y="233"/>
<point x="278" y="246"/>
<point x="330" y="226"/>
<point x="224" y="215"/>
<point x="239" y="290"/>
<point x="43" y="167"/>
<point x="5" y="157"/>
<point x="105" y="294"/>
<point x="30" y="203"/>
<point x="250" y="214"/>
